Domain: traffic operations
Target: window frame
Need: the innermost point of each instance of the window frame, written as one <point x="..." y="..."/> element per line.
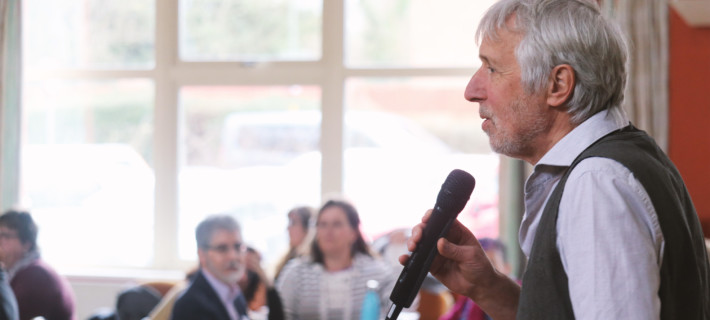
<point x="170" y="74"/>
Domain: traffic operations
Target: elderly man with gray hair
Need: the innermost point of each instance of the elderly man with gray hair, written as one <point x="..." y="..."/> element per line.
<point x="214" y="294"/>
<point x="609" y="229"/>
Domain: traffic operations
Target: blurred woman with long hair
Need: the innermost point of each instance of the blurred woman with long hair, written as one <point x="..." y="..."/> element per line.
<point x="299" y="235"/>
<point x="330" y="282"/>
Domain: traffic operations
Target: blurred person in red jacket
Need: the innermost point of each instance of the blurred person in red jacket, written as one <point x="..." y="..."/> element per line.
<point x="40" y="291"/>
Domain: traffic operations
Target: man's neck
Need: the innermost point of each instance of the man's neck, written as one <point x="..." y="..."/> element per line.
<point x="561" y="126"/>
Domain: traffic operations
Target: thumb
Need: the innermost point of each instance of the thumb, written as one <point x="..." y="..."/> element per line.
<point x="449" y="250"/>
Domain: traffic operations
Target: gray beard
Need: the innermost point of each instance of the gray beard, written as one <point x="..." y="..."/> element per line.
<point x="520" y="143"/>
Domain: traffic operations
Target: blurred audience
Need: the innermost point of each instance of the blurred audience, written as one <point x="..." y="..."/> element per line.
<point x="214" y="293"/>
<point x="391" y="245"/>
<point x="39" y="290"/>
<point x="135" y="303"/>
<point x="467" y="309"/>
<point x="300" y="235"/>
<point x="164" y="309"/>
<point x="262" y="299"/>
<point x="254" y="283"/>
<point x="330" y="282"/>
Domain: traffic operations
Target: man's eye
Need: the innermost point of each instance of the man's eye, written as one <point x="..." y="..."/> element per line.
<point x="491" y="70"/>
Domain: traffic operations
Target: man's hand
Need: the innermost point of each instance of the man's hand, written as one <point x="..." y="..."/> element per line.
<point x="463" y="267"/>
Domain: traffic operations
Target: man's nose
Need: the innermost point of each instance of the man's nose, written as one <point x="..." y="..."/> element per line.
<point x="475" y="90"/>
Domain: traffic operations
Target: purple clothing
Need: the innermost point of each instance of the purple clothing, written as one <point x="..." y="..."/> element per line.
<point x="40" y="291"/>
<point x="465" y="309"/>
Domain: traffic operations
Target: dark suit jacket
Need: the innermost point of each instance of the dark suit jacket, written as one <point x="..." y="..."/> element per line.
<point x="200" y="301"/>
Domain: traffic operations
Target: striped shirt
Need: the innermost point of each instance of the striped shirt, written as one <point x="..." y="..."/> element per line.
<point x="308" y="291"/>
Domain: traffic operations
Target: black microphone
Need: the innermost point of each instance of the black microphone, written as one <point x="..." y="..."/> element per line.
<point x="454" y="193"/>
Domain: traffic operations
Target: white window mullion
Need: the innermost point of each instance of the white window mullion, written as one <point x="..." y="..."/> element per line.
<point x="235" y="74"/>
<point x="409" y="72"/>
<point x="166" y="138"/>
<point x="332" y="107"/>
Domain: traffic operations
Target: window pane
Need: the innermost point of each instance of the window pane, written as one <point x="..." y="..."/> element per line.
<point x="419" y="130"/>
<point x="412" y="33"/>
<point x="86" y="162"/>
<point x="244" y="30"/>
<point x="89" y="33"/>
<point x="243" y="148"/>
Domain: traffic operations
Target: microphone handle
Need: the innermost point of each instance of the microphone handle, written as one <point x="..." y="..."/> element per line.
<point x="417" y="267"/>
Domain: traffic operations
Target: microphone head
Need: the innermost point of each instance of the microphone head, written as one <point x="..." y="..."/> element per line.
<point x="456" y="190"/>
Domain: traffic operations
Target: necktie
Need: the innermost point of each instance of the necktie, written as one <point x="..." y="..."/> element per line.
<point x="241" y="305"/>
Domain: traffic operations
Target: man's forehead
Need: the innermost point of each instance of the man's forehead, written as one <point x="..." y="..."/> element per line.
<point x="505" y="40"/>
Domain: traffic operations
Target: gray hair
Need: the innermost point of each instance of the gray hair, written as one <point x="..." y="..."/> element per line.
<point x="572" y="32"/>
<point x="206" y="228"/>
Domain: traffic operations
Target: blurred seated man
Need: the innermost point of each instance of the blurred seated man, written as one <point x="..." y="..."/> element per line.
<point x="214" y="294"/>
<point x="39" y="290"/>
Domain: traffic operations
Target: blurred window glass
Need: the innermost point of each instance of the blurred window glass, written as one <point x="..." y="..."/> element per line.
<point x="412" y="33"/>
<point x="424" y="129"/>
<point x="86" y="162"/>
<point x="141" y="117"/>
<point x="245" y="30"/>
<point x="89" y="34"/>
<point x="239" y="144"/>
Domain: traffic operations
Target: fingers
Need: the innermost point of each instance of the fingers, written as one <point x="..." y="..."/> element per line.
<point x="426" y="216"/>
<point x="466" y="252"/>
<point x="403" y="259"/>
<point x="417" y="232"/>
<point x="416" y="236"/>
<point x="459" y="234"/>
<point x="449" y="250"/>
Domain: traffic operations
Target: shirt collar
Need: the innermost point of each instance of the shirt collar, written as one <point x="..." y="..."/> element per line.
<point x="29" y="258"/>
<point x="571" y="145"/>
<point x="225" y="292"/>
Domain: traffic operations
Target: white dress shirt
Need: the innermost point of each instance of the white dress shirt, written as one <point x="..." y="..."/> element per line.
<point x="608" y="234"/>
<point x="227" y="294"/>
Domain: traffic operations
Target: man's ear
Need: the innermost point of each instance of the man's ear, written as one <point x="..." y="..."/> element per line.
<point x="561" y="85"/>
